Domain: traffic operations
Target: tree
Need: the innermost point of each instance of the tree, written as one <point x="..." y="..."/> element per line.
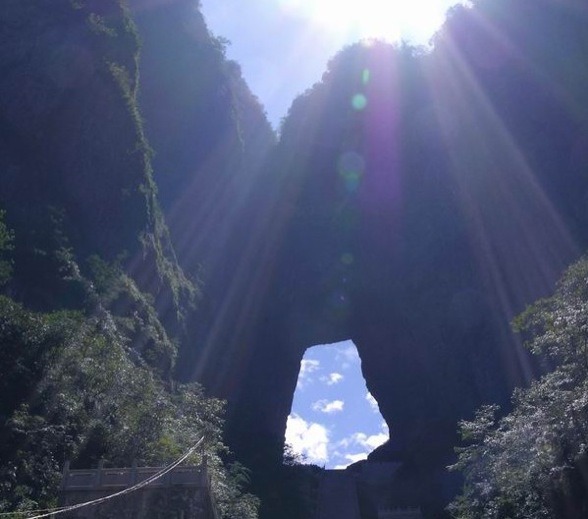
<point x="531" y="463"/>
<point x="73" y="387"/>
<point x="6" y="239"/>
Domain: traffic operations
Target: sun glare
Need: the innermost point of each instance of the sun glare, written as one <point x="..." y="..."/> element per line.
<point x="391" y="20"/>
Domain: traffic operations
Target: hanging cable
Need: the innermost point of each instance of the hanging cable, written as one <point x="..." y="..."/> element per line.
<point x="38" y="511"/>
<point x="144" y="483"/>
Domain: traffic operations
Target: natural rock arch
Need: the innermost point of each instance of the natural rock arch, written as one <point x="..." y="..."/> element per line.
<point x="422" y="260"/>
<point x="417" y="224"/>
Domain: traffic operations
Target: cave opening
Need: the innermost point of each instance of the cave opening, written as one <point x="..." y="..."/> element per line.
<point x="334" y="420"/>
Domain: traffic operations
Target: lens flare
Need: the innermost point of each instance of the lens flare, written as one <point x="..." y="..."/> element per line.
<point x="351" y="167"/>
<point x="359" y="102"/>
<point x="347" y="258"/>
<point x="365" y="76"/>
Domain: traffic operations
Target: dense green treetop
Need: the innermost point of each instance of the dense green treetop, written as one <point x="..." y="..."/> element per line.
<point x="75" y="387"/>
<point x="532" y="462"/>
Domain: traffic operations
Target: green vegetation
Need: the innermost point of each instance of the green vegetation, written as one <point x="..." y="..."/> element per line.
<point x="154" y="238"/>
<point x="94" y="310"/>
<point x="6" y="239"/>
<point x="94" y="384"/>
<point x="532" y="463"/>
<point x="72" y="389"/>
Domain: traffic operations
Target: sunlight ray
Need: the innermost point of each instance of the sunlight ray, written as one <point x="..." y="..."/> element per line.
<point x="251" y="275"/>
<point x="535" y="244"/>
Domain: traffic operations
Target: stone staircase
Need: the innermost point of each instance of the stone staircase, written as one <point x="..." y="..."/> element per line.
<point x="337" y="496"/>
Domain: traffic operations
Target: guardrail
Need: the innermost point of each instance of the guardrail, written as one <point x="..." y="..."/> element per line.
<point x="84" y="485"/>
<point x="116" y="478"/>
<point x="400" y="513"/>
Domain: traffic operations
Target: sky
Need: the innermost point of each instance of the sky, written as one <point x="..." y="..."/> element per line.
<point x="283" y="46"/>
<point x="334" y="420"/>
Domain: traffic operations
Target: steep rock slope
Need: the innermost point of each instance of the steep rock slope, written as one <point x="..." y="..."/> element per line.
<point x="76" y="171"/>
<point x="94" y="295"/>
<point x="210" y="137"/>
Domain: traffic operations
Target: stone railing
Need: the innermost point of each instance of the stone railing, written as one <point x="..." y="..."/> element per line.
<point x="118" y="478"/>
<point x="400" y="513"/>
<point x="183" y="492"/>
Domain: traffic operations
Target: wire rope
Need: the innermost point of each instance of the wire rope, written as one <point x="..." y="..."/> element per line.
<point x="48" y="512"/>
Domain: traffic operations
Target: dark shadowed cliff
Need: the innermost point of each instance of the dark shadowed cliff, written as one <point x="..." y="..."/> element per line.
<point x="74" y="153"/>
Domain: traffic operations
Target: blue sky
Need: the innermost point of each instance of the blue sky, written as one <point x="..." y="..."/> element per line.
<point x="283" y="46"/>
<point x="334" y="420"/>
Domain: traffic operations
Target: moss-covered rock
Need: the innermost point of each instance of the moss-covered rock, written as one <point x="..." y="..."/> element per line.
<point x="71" y="140"/>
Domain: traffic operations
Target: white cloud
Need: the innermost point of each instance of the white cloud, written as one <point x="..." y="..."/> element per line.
<point x="307" y="439"/>
<point x="348" y="355"/>
<point x="324" y="406"/>
<point x="307" y="367"/>
<point x="356" y="457"/>
<point x="332" y="379"/>
<point x="351" y="458"/>
<point x="360" y="439"/>
<point x="373" y="402"/>
<point x="372" y="441"/>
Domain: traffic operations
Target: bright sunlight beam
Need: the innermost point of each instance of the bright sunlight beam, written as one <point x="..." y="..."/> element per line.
<point x="391" y="20"/>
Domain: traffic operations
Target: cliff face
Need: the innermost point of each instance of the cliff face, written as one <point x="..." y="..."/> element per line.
<point x="77" y="167"/>
<point x="74" y="157"/>
<point x="209" y="130"/>
<point x="210" y="137"/>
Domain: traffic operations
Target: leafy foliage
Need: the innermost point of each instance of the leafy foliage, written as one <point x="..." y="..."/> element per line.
<point x="82" y="77"/>
<point x="6" y="238"/>
<point x="532" y="462"/>
<point x="75" y="387"/>
<point x="133" y="312"/>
